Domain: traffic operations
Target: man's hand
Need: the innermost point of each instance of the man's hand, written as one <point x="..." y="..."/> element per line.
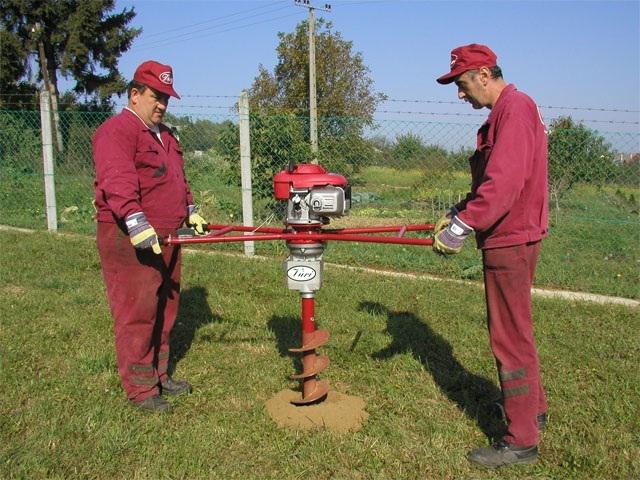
<point x="196" y="221"/>
<point x="450" y="240"/>
<point x="141" y="233"/>
<point x="445" y="219"/>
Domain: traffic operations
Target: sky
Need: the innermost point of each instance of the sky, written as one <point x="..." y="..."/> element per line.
<point x="583" y="55"/>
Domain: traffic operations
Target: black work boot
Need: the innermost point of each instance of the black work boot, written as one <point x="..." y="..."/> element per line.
<point x="501" y="454"/>
<point x="154" y="404"/>
<point x="174" y="387"/>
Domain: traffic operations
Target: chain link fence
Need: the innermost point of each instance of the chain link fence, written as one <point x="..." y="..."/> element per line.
<point x="401" y="170"/>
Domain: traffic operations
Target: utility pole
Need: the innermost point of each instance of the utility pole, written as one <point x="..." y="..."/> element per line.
<point x="313" y="109"/>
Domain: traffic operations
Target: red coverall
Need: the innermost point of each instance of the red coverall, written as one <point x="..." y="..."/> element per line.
<point x="508" y="209"/>
<point x="135" y="172"/>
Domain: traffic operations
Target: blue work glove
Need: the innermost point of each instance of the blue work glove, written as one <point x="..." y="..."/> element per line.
<point x="195" y="221"/>
<point x="445" y="219"/>
<point x="450" y="240"/>
<point x="141" y="233"/>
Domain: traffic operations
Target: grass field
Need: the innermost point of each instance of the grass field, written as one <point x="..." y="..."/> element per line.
<point x="416" y="351"/>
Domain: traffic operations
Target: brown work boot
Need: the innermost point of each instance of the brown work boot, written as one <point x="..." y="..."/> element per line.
<point x="502" y="454"/>
<point x="174" y="387"/>
<point x="155" y="404"/>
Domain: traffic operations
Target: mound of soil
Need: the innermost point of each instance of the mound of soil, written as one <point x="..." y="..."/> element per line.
<point x="338" y="412"/>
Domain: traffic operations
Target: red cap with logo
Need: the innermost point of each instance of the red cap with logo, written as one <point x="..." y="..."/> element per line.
<point x="157" y="76"/>
<point x="468" y="57"/>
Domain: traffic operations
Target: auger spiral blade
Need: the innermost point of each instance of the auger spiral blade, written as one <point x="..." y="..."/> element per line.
<point x="313" y="390"/>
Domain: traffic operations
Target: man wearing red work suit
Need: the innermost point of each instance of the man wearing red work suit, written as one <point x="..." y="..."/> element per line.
<point x="140" y="193"/>
<point x="508" y="209"/>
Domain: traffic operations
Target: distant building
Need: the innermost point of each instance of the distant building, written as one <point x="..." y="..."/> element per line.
<point x="629" y="159"/>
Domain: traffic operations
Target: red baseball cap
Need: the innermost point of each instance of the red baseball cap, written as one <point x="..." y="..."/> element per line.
<point x="157" y="76"/>
<point x="468" y="57"/>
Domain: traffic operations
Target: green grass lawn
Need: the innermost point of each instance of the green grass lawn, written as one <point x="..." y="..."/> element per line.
<point x="416" y="351"/>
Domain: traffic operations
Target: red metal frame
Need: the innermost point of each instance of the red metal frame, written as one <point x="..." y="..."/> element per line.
<point x="218" y="234"/>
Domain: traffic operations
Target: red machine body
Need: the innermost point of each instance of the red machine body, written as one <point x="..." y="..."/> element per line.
<point x="304" y="176"/>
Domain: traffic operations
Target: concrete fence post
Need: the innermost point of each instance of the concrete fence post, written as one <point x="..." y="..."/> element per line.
<point x="47" y="159"/>
<point x="245" y="169"/>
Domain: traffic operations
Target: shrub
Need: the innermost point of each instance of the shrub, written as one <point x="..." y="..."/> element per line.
<point x="576" y="154"/>
<point x="20" y="147"/>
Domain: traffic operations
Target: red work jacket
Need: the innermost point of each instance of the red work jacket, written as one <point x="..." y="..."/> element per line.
<point x="137" y="173"/>
<point x="508" y="203"/>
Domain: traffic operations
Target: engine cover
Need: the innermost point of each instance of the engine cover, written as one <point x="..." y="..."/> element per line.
<point x="312" y="194"/>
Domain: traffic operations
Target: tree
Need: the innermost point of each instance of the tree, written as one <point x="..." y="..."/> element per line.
<point x="19" y="143"/>
<point x="70" y="39"/>
<point x="343" y="84"/>
<point x="199" y="134"/>
<point x="576" y="154"/>
<point x="279" y="105"/>
<point x="16" y="95"/>
<point x="408" y="149"/>
<point x="275" y="140"/>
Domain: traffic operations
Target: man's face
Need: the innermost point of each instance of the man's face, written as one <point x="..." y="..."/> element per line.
<point x="471" y="88"/>
<point x="150" y="105"/>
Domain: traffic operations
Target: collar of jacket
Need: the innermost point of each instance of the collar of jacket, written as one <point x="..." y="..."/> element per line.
<point x="506" y="91"/>
<point x="135" y="115"/>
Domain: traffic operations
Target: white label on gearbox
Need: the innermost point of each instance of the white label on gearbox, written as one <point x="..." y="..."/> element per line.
<point x="300" y="273"/>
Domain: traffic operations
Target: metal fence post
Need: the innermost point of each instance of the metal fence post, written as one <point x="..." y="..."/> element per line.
<point x="47" y="159"/>
<point x="245" y="169"/>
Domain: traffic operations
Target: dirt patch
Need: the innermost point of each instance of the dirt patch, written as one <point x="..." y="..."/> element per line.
<point x="338" y="412"/>
<point x="14" y="290"/>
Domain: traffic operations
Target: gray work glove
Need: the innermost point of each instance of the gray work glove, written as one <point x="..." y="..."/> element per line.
<point x="451" y="239"/>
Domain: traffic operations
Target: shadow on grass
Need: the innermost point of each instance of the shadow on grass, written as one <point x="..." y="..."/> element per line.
<point x="288" y="332"/>
<point x="194" y="312"/>
<point x="474" y="395"/>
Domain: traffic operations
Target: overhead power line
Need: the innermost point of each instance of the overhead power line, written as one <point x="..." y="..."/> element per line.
<point x="214" y="19"/>
<point x="212" y="30"/>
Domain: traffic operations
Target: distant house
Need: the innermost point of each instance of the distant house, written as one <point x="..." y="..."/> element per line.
<point x="631" y="159"/>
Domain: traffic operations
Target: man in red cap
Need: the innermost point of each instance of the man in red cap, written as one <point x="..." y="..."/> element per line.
<point x="507" y="208"/>
<point x="140" y="193"/>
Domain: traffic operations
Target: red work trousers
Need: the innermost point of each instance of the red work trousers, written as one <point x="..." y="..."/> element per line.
<point x="508" y="277"/>
<point x="143" y="290"/>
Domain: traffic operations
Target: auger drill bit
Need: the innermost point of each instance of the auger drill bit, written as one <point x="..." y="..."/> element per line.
<point x="312" y="363"/>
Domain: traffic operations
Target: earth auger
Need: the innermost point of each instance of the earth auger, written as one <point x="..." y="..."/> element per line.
<point x="313" y="197"/>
